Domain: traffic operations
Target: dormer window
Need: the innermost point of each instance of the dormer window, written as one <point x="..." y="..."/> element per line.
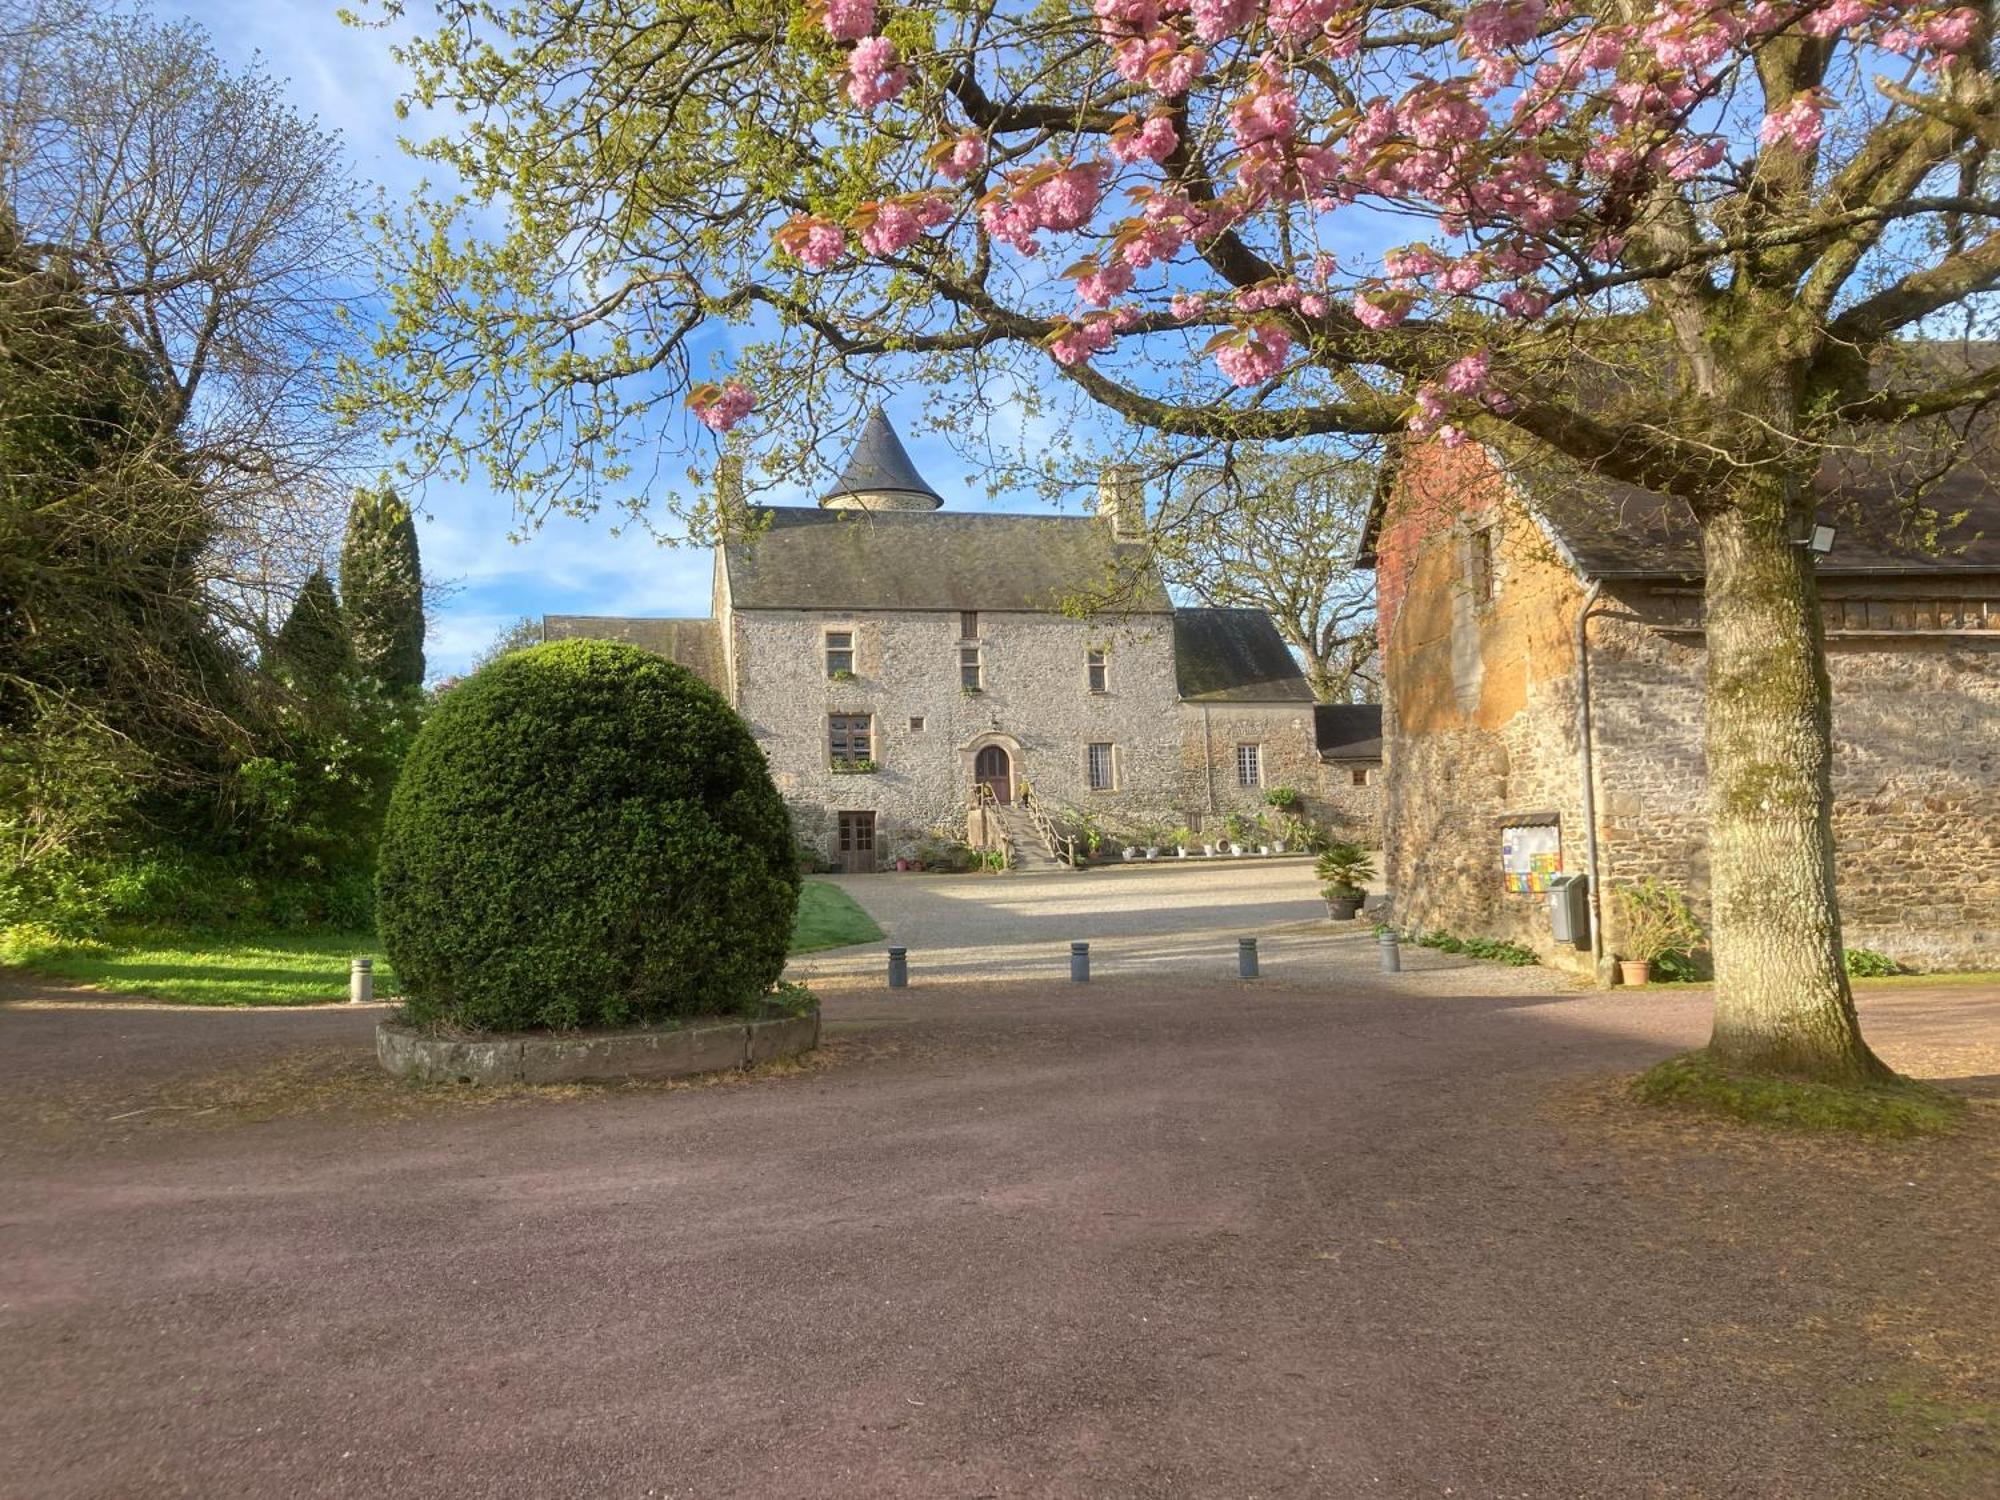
<point x="1098" y="670"/>
<point x="840" y="653"/>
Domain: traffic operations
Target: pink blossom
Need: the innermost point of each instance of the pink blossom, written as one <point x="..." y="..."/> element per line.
<point x="1430" y="410"/>
<point x="1102" y="287"/>
<point x="1078" y="341"/>
<point x="1798" y="123"/>
<point x="1257" y="359"/>
<point x="1451" y="436"/>
<point x="849" y="20"/>
<point x="1186" y="305"/>
<point x="1313" y="306"/>
<point x="1269" y="114"/>
<point x="1216" y="19"/>
<point x="1525" y="301"/>
<point x="1835" y="18"/>
<point x="1468" y="376"/>
<point x="814" y="242"/>
<point x="1500" y="23"/>
<point x="1462" y="276"/>
<point x="1954" y="31"/>
<point x="1379" y="312"/>
<point x="1295" y="20"/>
<point x="894" y="230"/>
<point x="1153" y="141"/>
<point x="966" y="156"/>
<point x="721" y="408"/>
<point x="875" y="72"/>
<point x="1154" y="242"/>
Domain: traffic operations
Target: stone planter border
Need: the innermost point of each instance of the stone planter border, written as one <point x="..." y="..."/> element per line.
<point x="715" y="1046"/>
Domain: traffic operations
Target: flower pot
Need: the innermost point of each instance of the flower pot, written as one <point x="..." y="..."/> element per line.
<point x="1635" y="970"/>
<point x="1263" y="848"/>
<point x="1209" y="850"/>
<point x="902" y="864"/>
<point x="1279" y="847"/>
<point x="1128" y="852"/>
<point x="1153" y="852"/>
<point x="1343" y="908"/>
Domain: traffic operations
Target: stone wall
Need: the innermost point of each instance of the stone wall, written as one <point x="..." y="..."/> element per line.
<point x="1035" y="704"/>
<point x="1480" y="729"/>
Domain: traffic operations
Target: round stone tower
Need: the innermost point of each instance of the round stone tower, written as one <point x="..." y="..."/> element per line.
<point x="879" y="474"/>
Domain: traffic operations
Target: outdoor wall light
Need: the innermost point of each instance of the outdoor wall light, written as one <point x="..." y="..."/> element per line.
<point x="1819" y="540"/>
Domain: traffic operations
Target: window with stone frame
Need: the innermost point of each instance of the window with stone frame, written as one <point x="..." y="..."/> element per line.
<point x="840" y="653"/>
<point x="970" y="677"/>
<point x="850" y="738"/>
<point x="1101" y="764"/>
<point x="1360" y="774"/>
<point x="1097" y="668"/>
<point x="968" y="625"/>
<point x="1479" y="579"/>
<point x="1249" y="765"/>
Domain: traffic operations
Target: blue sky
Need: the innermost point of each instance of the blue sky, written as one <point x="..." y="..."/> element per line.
<point x="345" y="77"/>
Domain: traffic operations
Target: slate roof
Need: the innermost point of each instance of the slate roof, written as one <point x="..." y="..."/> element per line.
<point x="1621" y="531"/>
<point x="1235" y="656"/>
<point x="880" y="463"/>
<point x="916" y="560"/>
<point x="1348" y="731"/>
<point x="695" y="644"/>
<point x="1617" y="531"/>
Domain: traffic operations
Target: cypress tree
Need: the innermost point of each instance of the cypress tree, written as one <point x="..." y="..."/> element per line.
<point x="312" y="650"/>
<point x="382" y="588"/>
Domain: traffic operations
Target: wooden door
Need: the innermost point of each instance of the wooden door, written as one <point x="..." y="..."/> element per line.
<point x="857" y="843"/>
<point x="993" y="770"/>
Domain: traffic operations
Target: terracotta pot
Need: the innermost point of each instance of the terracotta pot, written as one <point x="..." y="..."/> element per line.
<point x="1635" y="970"/>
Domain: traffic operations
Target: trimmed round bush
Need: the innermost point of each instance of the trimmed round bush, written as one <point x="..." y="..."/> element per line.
<point x="584" y="834"/>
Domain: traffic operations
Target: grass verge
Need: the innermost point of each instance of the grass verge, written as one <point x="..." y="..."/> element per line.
<point x="234" y="968"/>
<point x="1902" y="1108"/>
<point x="206" y="968"/>
<point x="830" y="918"/>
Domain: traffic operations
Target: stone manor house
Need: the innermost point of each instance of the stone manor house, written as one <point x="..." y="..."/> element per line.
<point x="910" y="669"/>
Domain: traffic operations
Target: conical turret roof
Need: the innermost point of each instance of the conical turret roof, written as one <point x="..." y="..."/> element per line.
<point x="879" y="469"/>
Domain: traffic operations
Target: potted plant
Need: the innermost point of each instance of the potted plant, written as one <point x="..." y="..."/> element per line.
<point x="1182" y="838"/>
<point x="1346" y="870"/>
<point x="1284" y="798"/>
<point x="1151" y="839"/>
<point x="1654" y="920"/>
<point x="1239" y="830"/>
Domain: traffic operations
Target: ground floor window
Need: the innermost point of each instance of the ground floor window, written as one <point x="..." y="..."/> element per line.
<point x="1361" y="776"/>
<point x="1102" y="768"/>
<point x="1249" y="765"/>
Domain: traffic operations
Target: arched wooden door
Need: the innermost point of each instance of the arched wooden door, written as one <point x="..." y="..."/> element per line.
<point x="993" y="770"/>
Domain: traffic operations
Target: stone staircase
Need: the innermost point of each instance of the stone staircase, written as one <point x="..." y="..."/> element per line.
<point x="1030" y="853"/>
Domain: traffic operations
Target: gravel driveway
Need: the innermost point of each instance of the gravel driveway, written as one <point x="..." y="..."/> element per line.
<point x="1000" y="1240"/>
<point x="1177" y="920"/>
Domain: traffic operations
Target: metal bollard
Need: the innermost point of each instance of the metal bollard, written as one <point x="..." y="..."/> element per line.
<point x="1392" y="956"/>
<point x="899" y="968"/>
<point x="1079" y="963"/>
<point x="1246" y="958"/>
<point x="361" y="981"/>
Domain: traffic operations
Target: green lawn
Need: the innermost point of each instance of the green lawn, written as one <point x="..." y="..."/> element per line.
<point x="294" y="969"/>
<point x="830" y="918"/>
<point x="212" y="969"/>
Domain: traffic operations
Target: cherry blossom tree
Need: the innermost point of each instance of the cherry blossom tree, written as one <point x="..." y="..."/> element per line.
<point x="1685" y="245"/>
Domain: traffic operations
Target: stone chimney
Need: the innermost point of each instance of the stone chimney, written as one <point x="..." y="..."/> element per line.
<point x="1121" y="500"/>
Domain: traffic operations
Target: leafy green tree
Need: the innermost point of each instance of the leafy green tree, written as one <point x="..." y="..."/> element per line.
<point x="517" y="635"/>
<point x="382" y="590"/>
<point x="311" y="651"/>
<point x="1277" y="530"/>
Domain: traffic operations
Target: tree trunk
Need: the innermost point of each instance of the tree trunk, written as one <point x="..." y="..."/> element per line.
<point x="1782" y="1003"/>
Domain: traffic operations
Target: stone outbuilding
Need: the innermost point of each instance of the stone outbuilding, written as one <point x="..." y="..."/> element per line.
<point x="1510" y="605"/>
<point x="905" y="665"/>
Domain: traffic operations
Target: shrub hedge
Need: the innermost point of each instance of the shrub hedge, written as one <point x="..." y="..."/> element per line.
<point x="584" y="834"/>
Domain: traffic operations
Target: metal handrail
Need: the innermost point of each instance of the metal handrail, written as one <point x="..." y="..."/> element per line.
<point x="983" y="798"/>
<point x="1060" y="846"/>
